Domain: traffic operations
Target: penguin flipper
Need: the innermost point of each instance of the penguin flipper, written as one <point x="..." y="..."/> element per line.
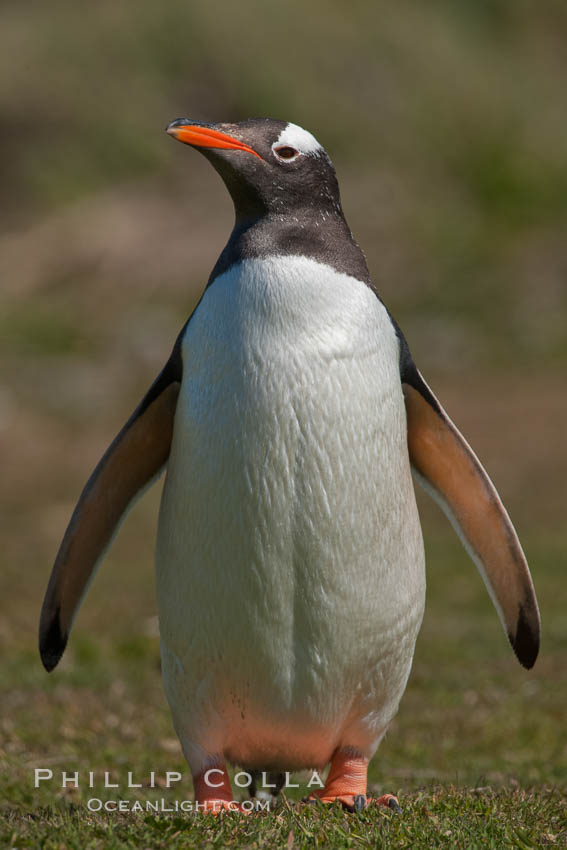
<point x="133" y="460"/>
<point x="447" y="468"/>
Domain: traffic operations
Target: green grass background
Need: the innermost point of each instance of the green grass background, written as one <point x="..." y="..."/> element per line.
<point x="447" y="124"/>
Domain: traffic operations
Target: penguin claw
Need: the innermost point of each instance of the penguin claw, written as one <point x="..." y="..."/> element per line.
<point x="354" y="803"/>
<point x="387" y="800"/>
<point x="358" y="802"/>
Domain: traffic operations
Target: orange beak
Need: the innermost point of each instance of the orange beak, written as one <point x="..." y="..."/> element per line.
<point x="206" y="137"/>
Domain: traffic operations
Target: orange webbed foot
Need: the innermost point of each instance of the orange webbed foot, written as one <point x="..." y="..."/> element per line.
<point x="213" y="793"/>
<point x="346" y="784"/>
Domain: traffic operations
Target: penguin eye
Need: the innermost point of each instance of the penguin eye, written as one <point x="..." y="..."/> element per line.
<point x="286" y="152"/>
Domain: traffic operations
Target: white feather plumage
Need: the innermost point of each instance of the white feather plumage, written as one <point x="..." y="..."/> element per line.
<point x="289" y="562"/>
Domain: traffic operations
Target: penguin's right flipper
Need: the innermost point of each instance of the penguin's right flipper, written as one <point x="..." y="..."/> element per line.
<point x="133" y="461"/>
<point x="446" y="466"/>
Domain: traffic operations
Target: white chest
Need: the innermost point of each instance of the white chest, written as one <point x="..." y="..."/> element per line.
<point x="288" y="508"/>
<point x="290" y="427"/>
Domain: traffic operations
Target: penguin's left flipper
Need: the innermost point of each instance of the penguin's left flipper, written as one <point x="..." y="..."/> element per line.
<point x="132" y="461"/>
<point x="445" y="465"/>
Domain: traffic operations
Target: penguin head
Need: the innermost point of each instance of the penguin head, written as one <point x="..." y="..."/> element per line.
<point x="269" y="166"/>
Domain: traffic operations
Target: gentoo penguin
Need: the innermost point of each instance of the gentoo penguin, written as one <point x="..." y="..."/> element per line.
<point x="289" y="559"/>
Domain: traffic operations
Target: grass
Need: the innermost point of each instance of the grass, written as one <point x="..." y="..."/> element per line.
<point x="448" y="817"/>
<point x="477" y="753"/>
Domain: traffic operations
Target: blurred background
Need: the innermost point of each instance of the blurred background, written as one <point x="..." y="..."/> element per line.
<point x="447" y="124"/>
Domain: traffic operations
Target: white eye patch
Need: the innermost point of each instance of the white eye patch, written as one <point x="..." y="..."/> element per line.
<point x="296" y="137"/>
